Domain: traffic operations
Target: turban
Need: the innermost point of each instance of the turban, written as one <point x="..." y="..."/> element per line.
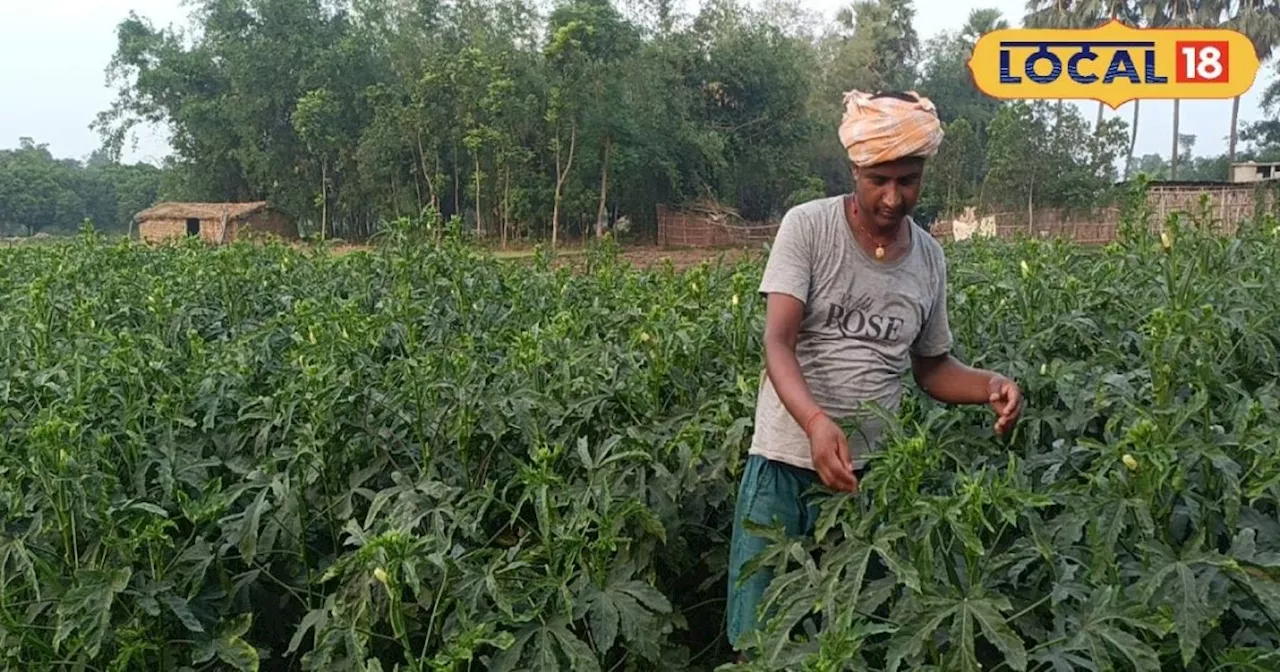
<point x="876" y="130"/>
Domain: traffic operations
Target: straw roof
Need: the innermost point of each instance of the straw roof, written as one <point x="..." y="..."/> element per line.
<point x="200" y="210"/>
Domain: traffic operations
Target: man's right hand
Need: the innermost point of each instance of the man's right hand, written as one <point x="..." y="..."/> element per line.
<point x="829" y="449"/>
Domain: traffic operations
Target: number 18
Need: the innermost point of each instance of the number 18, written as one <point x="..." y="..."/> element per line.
<point x="1202" y="62"/>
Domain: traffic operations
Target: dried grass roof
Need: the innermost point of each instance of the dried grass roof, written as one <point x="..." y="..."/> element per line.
<point x="713" y="209"/>
<point x="200" y="210"/>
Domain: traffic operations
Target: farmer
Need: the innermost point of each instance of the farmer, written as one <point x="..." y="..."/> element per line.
<point x="855" y="292"/>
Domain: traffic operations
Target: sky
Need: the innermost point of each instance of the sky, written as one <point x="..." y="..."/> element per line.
<point x="53" y="88"/>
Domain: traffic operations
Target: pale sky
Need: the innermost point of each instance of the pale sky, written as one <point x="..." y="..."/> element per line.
<point x="54" y="54"/>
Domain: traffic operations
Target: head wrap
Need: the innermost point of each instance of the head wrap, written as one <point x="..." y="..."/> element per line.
<point x="876" y="130"/>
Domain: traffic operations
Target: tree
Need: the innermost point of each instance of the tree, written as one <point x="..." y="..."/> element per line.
<point x="1181" y="14"/>
<point x="954" y="167"/>
<point x="1012" y="159"/>
<point x="542" y="124"/>
<point x="1259" y="20"/>
<point x="315" y="120"/>
<point x="1030" y="143"/>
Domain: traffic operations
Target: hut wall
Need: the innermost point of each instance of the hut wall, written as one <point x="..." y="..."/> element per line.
<point x="274" y="223"/>
<point x="264" y="223"/>
<point x="211" y="230"/>
<point x="157" y="230"/>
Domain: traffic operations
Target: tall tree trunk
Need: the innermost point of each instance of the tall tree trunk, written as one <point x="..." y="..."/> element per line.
<point x="395" y="194"/>
<point x="604" y="187"/>
<point x="324" y="197"/>
<point x="417" y="187"/>
<point x="1031" y="205"/>
<point x="439" y="232"/>
<point x="1133" y="141"/>
<point x="1173" y="163"/>
<point x="1231" y="145"/>
<point x="479" y="226"/>
<point x="427" y="174"/>
<point x="561" y="174"/>
<point x="506" y="202"/>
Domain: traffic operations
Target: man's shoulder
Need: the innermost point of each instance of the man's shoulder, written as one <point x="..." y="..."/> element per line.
<point x="931" y="247"/>
<point x="815" y="211"/>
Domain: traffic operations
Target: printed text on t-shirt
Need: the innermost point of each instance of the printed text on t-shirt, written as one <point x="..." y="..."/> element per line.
<point x="856" y="321"/>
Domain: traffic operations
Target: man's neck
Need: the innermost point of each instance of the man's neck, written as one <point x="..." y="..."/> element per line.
<point x="864" y="223"/>
<point x="882" y="233"/>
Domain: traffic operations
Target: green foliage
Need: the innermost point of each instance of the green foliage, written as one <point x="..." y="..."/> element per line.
<point x="511" y="115"/>
<point x="1121" y="526"/>
<point x="424" y="458"/>
<point x="39" y="193"/>
<point x="1046" y="154"/>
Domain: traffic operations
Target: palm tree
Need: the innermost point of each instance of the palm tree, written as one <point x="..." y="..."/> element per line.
<point x="1259" y="20"/>
<point x="981" y="22"/>
<point x="1055" y="14"/>
<point x="1181" y="14"/>
<point x="1100" y="11"/>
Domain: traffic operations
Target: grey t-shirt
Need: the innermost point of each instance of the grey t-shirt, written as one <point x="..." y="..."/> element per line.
<point x="862" y="319"/>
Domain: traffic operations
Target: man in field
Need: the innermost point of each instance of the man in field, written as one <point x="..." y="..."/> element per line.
<point x="856" y="294"/>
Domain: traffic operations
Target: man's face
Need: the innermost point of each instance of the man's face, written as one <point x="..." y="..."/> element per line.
<point x="889" y="191"/>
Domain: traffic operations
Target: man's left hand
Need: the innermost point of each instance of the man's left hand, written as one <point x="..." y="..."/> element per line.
<point x="1006" y="400"/>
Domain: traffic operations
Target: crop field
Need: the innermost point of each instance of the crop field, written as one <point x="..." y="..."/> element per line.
<point x="424" y="458"/>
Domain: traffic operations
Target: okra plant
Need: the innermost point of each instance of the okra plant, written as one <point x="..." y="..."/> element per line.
<point x="420" y="457"/>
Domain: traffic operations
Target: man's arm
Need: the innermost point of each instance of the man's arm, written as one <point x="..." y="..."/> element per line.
<point x="783" y="317"/>
<point x="829" y="447"/>
<point x="948" y="380"/>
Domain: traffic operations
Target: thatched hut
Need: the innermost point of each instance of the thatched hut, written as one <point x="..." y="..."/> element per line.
<point x="213" y="222"/>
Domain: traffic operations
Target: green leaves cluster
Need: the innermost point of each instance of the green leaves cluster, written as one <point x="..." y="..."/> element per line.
<point x="422" y="458"/>
<point x="42" y="194"/>
<point x="1129" y="522"/>
<point x="264" y="458"/>
<point x="533" y="122"/>
<point x="519" y="119"/>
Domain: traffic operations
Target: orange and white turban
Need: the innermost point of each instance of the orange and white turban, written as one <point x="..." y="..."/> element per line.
<point x="876" y="130"/>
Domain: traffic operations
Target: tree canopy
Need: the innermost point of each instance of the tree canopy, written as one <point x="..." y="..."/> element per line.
<point x="552" y="122"/>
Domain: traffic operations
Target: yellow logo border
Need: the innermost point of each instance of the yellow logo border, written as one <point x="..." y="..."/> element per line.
<point x="985" y="67"/>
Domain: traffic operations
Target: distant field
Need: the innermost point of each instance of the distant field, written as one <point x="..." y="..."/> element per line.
<point x="640" y="256"/>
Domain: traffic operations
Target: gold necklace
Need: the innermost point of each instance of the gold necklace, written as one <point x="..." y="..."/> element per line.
<point x="880" y="251"/>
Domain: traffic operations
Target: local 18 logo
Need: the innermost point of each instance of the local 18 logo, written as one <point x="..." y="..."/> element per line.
<point x="1113" y="63"/>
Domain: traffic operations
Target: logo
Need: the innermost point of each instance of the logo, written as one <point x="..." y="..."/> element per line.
<point x="1113" y="63"/>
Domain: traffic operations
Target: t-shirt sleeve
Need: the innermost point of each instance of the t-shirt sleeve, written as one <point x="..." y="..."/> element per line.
<point x="788" y="268"/>
<point x="935" y="336"/>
